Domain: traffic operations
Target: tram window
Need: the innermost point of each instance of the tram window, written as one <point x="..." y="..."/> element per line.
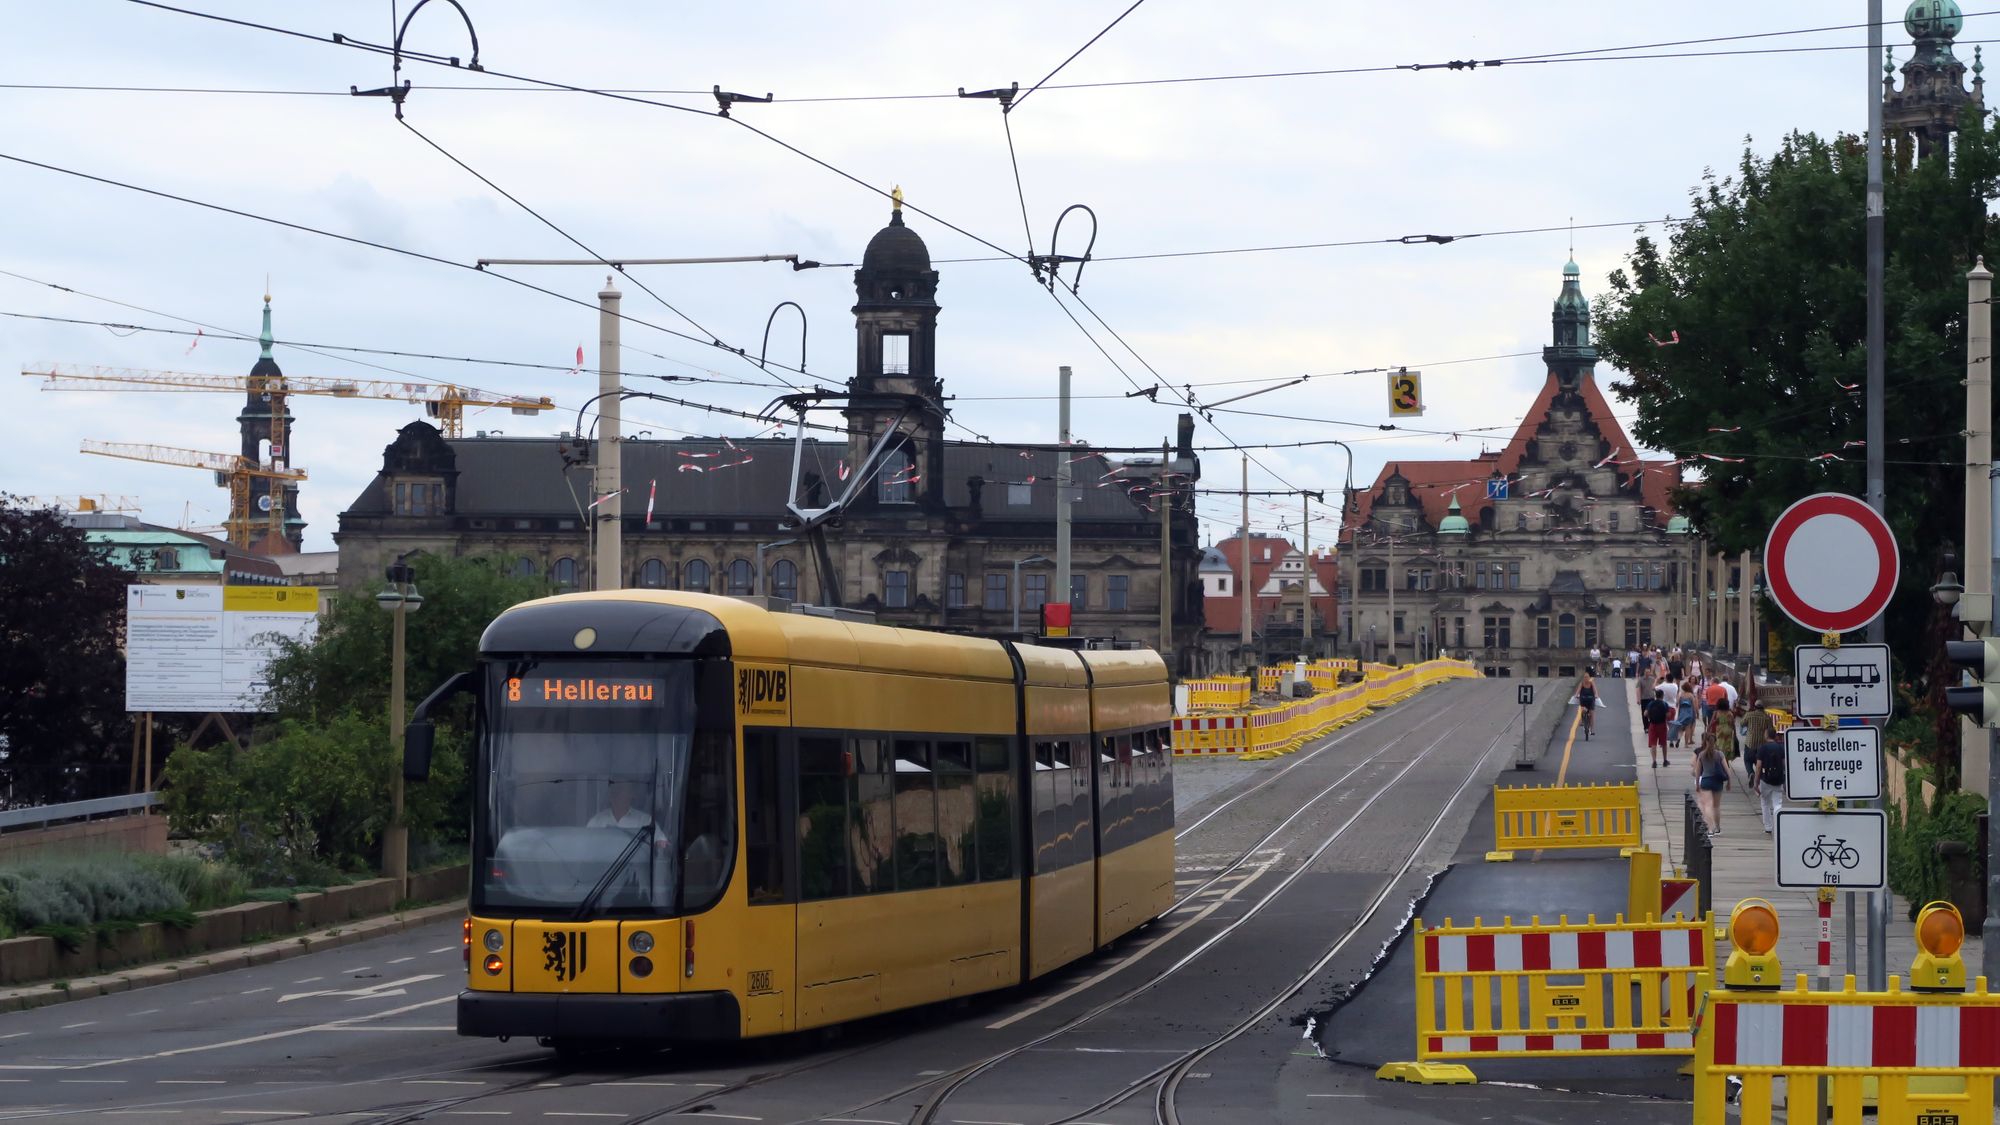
<point x="993" y="755"/>
<point x="762" y="818"/>
<point x="916" y="816"/>
<point x="1045" y="756"/>
<point x="996" y="826"/>
<point x="823" y="835"/>
<point x="708" y="823"/>
<point x="956" y="813"/>
<point x="871" y="829"/>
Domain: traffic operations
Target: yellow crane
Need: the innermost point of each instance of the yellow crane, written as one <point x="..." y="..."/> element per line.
<point x="446" y="402"/>
<point x="231" y="471"/>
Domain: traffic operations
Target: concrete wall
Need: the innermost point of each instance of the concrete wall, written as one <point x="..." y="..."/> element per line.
<point x="137" y="833"/>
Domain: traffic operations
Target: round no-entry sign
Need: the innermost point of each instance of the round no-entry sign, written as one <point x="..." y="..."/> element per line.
<point x="1832" y="563"/>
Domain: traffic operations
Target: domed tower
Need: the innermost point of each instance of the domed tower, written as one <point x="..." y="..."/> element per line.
<point x="895" y="338"/>
<point x="266" y="426"/>
<point x="1933" y="94"/>
<point x="1571" y="357"/>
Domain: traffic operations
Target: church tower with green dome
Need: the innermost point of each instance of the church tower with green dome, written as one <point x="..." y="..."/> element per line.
<point x="1933" y="95"/>
<point x="1570" y="357"/>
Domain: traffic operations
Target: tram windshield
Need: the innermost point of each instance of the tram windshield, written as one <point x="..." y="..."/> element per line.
<point x="599" y="794"/>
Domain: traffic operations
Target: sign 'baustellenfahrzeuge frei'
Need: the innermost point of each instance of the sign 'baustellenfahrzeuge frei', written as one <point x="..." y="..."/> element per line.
<point x="1845" y="762"/>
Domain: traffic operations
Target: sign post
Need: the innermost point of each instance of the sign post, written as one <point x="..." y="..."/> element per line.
<point x="1832" y="564"/>
<point x="1524" y="694"/>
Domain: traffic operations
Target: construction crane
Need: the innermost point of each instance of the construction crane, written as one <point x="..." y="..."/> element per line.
<point x="94" y="502"/>
<point x="231" y="471"/>
<point x="445" y="402"/>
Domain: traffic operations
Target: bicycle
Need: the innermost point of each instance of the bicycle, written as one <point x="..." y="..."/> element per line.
<point x="1840" y="852"/>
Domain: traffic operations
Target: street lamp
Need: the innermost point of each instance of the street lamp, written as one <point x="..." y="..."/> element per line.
<point x="1017" y="586"/>
<point x="400" y="599"/>
<point x="1948" y="588"/>
<point x="761" y="548"/>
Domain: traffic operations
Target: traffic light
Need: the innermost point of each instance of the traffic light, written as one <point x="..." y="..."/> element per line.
<point x="1979" y="702"/>
<point x="1938" y="966"/>
<point x="1753" y="936"/>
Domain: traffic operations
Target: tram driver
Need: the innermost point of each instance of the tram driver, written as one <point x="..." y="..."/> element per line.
<point x="618" y="811"/>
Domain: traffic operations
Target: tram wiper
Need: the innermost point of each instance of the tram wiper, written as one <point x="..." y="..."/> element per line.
<point x="611" y="873"/>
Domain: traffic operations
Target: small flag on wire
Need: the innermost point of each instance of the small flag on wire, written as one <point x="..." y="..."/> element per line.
<point x="840" y="468"/>
<point x="605" y="497"/>
<point x="652" y="492"/>
<point x="1724" y="429"/>
<point x="193" y="342"/>
<point x="578" y="369"/>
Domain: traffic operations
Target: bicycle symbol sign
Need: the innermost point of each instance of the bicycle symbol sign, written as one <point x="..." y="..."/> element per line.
<point x="1847" y="848"/>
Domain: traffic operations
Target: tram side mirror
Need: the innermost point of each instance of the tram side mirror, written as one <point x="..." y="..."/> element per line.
<point x="417" y="739"/>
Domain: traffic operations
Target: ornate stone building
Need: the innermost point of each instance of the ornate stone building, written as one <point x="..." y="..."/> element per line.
<point x="1525" y="557"/>
<point x="1927" y="108"/>
<point x="933" y="538"/>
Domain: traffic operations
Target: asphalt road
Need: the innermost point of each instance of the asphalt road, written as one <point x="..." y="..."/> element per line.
<point x="1296" y="872"/>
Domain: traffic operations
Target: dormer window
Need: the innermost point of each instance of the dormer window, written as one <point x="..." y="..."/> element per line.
<point x="895" y="353"/>
<point x="1396" y="492"/>
<point x="897" y="483"/>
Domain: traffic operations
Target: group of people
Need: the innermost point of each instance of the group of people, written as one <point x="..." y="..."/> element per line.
<point x="1682" y="706"/>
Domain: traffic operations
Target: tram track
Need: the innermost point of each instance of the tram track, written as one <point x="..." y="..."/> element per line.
<point x="931" y="1110"/>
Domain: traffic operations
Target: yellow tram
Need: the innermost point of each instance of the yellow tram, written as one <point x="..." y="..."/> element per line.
<point x="699" y="819"/>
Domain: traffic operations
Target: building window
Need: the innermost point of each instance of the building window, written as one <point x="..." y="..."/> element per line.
<point x="524" y="568"/>
<point x="896" y="589"/>
<point x="1566" y="631"/>
<point x="1374" y="578"/>
<point x="895" y="353"/>
<point x="996" y="590"/>
<point x="1034" y="591"/>
<point x="1499" y="632"/>
<point x="1590" y="632"/>
<point x="1622" y="577"/>
<point x="1613" y="517"/>
<point x="419" y="499"/>
<point x="1542" y="631"/>
<point x="742" y="577"/>
<point x="1659" y="576"/>
<point x="1520" y="521"/>
<point x="954" y="589"/>
<point x="1479" y="575"/>
<point x="1417" y="579"/>
<point x="1399" y="624"/>
<point x="1458" y="632"/>
<point x="1513" y="576"/>
<point x="166" y="558"/>
<point x="897" y="483"/>
<point x="785" y="580"/>
<point x="1638" y="632"/>
<point x="564" y="573"/>
<point x="653" y="575"/>
<point x="695" y="576"/>
<point x="1117" y="591"/>
<point x="1079" y="591"/>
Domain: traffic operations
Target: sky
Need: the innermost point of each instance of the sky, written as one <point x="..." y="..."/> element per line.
<point x="1166" y="168"/>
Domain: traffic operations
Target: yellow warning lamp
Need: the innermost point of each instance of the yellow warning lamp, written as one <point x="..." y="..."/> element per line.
<point x="1940" y="934"/>
<point x="1753" y="940"/>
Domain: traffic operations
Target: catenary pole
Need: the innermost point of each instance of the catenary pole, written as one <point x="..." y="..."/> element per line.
<point x="1878" y="901"/>
<point x="610" y="510"/>
<point x="1979" y="568"/>
<point x="1063" y="485"/>
<point x="1243" y="584"/>
<point x="1167" y="567"/>
<point x="1306" y="606"/>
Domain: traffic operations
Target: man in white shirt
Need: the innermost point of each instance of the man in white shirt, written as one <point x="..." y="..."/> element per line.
<point x="1671" y="692"/>
<point x="620" y="813"/>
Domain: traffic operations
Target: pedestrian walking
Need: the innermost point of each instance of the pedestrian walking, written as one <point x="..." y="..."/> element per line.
<point x="1713" y="697"/>
<point x="1726" y="735"/>
<point x="1768" y="768"/>
<point x="1677" y="728"/>
<point x="1711" y="772"/>
<point x="1656" y="713"/>
<point x="1617" y="668"/>
<point x="1595" y="655"/>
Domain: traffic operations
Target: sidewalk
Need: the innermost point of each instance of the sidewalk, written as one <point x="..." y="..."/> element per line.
<point x="1744" y="867"/>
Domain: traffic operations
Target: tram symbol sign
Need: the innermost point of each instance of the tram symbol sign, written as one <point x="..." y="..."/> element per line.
<point x="1845" y="762"/>
<point x="1847" y="849"/>
<point x="1832" y="563"/>
<point x="1849" y="680"/>
<point x="1524" y="694"/>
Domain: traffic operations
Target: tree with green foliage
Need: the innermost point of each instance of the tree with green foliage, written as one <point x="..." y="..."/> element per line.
<point x="1764" y="284"/>
<point x="64" y="733"/>
<point x="311" y="794"/>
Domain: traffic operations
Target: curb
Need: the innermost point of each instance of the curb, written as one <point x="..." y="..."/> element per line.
<point x="143" y="976"/>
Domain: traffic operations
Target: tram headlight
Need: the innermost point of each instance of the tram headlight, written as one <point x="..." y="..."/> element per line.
<point x="494" y="964"/>
<point x="641" y="966"/>
<point x="640" y="941"/>
<point x="494" y="940"/>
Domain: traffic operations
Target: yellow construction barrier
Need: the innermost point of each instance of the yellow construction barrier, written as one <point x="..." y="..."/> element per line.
<point x="1928" y="1056"/>
<point x="1564" y="816"/>
<point x="1533" y="991"/>
<point x="1218" y="693"/>
<point x="1266" y="732"/>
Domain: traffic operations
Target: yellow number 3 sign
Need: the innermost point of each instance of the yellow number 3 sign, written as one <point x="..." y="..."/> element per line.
<point x="1406" y="393"/>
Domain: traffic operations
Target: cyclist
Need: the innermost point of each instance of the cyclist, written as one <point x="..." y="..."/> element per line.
<point x="1586" y="702"/>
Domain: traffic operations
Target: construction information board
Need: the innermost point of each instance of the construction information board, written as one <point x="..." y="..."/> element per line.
<point x="1848" y="849"/>
<point x="1844" y="763"/>
<point x="207" y="648"/>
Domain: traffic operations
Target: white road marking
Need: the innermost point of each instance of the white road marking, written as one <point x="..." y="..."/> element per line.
<point x="499" y="1113"/>
<point x="368" y="992"/>
<point x="137" y="1112"/>
<point x="452" y="949"/>
<point x="13" y="1035"/>
<point x="1336" y="1095"/>
<point x="263" y="1113"/>
<point x="439" y="1082"/>
<point x="961" y="1121"/>
<point x="13" y="1080"/>
<point x="862" y="1120"/>
<point x="93" y="1081"/>
<point x="33" y="1066"/>
<point x="582" y="1113"/>
<point x="646" y="1084"/>
<point x="400" y="1027"/>
<point x="267" y="1036"/>
<point x="85" y="1023"/>
<point x="254" y="991"/>
<point x="350" y="972"/>
<point x="188" y="1081"/>
<point x="704" y="1113"/>
<point x="147" y="1012"/>
<point x="400" y="960"/>
<point x="308" y="980"/>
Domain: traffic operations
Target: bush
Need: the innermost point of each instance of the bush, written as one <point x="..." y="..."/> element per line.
<point x="1915" y="871"/>
<point x="311" y="801"/>
<point x="90" y="892"/>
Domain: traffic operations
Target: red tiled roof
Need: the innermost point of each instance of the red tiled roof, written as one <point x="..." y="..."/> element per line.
<point x="1224" y="613"/>
<point x="1434" y="482"/>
